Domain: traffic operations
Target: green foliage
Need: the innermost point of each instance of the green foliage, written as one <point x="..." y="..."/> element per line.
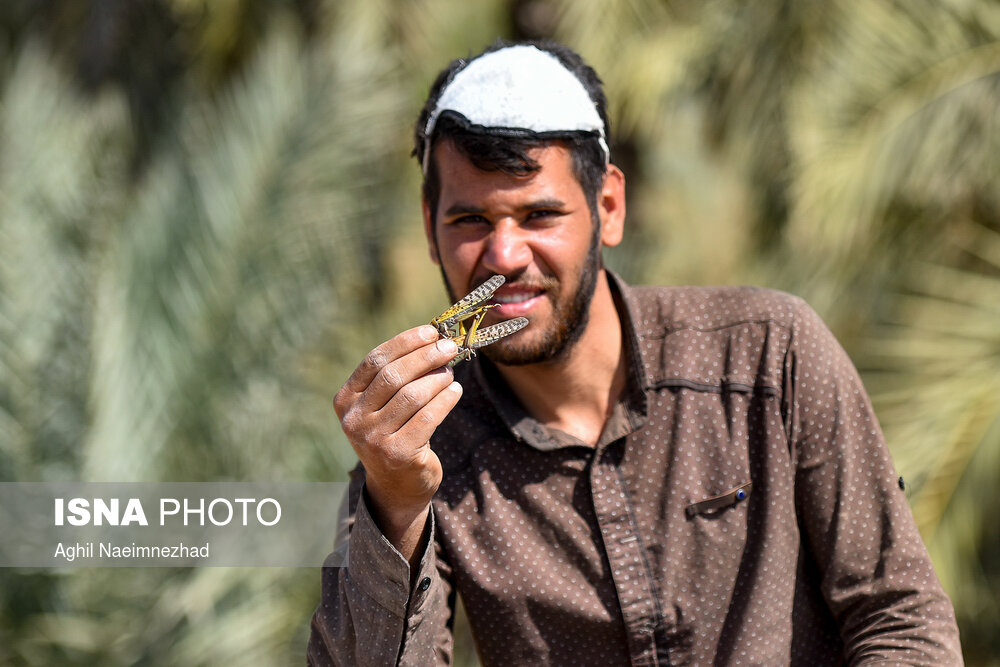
<point x="162" y="327"/>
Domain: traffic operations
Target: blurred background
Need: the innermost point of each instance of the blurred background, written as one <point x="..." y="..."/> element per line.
<point x="208" y="214"/>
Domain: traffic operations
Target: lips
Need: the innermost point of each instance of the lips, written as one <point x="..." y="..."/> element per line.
<point x="516" y="300"/>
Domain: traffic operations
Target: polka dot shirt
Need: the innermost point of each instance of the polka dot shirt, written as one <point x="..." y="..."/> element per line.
<point x="740" y="508"/>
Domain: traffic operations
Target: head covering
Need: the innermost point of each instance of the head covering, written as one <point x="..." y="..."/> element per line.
<point x="518" y="89"/>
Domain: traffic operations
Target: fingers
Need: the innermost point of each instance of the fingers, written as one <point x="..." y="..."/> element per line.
<point x="389" y="408"/>
<point x="410" y="398"/>
<point x="398" y="375"/>
<point x="387" y="352"/>
<point x="401" y="380"/>
<point x="406" y="421"/>
<point x="391" y="366"/>
<point x="405" y="456"/>
<point x="420" y="426"/>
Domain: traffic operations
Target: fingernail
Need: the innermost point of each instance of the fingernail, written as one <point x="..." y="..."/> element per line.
<point x="447" y="346"/>
<point x="427" y="333"/>
<point x="455" y="387"/>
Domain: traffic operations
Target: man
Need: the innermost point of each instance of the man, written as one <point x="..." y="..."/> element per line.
<point x="641" y="475"/>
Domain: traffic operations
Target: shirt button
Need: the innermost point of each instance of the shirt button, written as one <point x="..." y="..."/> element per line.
<point x="425" y="583"/>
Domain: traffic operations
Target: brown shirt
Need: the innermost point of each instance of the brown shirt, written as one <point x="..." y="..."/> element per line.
<point x="740" y="508"/>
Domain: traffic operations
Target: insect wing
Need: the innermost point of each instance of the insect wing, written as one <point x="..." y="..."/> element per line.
<point x="470" y="301"/>
<point x="495" y="332"/>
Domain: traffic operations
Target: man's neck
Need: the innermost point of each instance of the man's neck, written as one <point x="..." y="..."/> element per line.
<point x="577" y="392"/>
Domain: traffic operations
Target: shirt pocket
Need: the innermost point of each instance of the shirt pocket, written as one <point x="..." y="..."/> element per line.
<point x="717" y="529"/>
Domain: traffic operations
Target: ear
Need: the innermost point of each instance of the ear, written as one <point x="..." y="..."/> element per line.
<point x="611" y="206"/>
<point x="429" y="232"/>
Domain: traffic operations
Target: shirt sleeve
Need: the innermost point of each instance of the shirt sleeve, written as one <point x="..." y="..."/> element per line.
<point x="368" y="612"/>
<point x="876" y="576"/>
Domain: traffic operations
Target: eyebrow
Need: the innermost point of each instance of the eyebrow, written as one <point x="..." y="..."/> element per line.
<point x="461" y="208"/>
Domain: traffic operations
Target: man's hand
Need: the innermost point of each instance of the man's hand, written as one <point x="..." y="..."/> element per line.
<point x="389" y="408"/>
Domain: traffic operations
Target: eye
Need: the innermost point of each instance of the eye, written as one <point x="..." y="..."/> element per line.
<point x="543" y="215"/>
<point x="471" y="219"/>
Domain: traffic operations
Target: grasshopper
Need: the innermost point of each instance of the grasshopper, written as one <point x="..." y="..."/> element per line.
<point x="473" y="306"/>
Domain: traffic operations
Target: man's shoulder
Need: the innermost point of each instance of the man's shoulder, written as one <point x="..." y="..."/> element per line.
<point x="712" y="307"/>
<point x="714" y="338"/>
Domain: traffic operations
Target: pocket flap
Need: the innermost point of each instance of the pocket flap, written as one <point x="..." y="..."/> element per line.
<point x="710" y="505"/>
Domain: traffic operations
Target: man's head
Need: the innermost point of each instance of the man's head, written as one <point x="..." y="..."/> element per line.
<point x="517" y="182"/>
<point x="504" y="147"/>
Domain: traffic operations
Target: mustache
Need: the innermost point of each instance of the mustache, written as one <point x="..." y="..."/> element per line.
<point x="522" y="281"/>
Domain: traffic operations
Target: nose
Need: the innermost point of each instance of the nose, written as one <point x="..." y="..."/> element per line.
<point x="507" y="250"/>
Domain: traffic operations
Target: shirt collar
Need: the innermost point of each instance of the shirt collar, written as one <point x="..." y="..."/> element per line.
<point x="628" y="414"/>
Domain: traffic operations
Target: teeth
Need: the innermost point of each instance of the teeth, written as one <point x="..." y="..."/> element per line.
<point x="514" y="298"/>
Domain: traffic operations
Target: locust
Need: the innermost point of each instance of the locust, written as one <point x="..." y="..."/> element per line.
<point x="452" y="322"/>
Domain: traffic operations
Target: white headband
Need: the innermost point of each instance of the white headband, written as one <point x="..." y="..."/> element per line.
<point x="518" y="88"/>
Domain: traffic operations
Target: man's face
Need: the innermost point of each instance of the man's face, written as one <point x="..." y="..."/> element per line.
<point x="535" y="230"/>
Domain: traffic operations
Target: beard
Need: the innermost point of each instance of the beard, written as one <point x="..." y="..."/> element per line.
<point x="569" y="317"/>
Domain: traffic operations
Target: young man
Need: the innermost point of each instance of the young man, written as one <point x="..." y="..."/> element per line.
<point x="641" y="475"/>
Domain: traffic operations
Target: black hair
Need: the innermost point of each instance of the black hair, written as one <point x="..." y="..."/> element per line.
<point x="505" y="150"/>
